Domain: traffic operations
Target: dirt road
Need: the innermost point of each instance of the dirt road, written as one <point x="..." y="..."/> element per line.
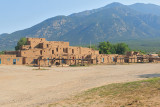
<point x="21" y="86"/>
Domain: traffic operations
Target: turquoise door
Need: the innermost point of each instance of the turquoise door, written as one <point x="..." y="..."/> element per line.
<point x="63" y="61"/>
<point x="48" y="60"/>
<point x="113" y="59"/>
<point x="102" y="59"/>
<point x="0" y="60"/>
<point x="14" y="61"/>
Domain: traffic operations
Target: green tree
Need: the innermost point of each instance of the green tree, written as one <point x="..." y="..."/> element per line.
<point x="1" y="52"/>
<point x="21" y="42"/>
<point x="108" y="48"/>
<point x="105" y="47"/>
<point x="113" y="49"/>
<point x="121" y="48"/>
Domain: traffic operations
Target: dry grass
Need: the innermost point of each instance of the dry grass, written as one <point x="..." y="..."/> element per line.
<point x="144" y="93"/>
<point x="41" y="69"/>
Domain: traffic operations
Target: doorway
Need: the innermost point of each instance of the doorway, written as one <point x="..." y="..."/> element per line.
<point x="63" y="61"/>
<point x="14" y="61"/>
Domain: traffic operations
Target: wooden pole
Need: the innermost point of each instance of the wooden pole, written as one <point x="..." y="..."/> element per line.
<point x="70" y="62"/>
<point x="39" y="64"/>
<point x="78" y="60"/>
<point x="59" y="61"/>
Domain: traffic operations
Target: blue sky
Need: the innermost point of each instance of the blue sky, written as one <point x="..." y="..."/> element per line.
<point x="20" y="14"/>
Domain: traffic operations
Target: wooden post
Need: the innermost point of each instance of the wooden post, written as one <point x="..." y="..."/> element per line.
<point x="83" y="62"/>
<point x="67" y="60"/>
<point x="39" y="63"/>
<point x="70" y="61"/>
<point x="59" y="61"/>
<point x="78" y="60"/>
<point x="122" y="60"/>
<point x="96" y="60"/>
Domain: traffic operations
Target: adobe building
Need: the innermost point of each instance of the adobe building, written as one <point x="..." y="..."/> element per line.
<point x="38" y="51"/>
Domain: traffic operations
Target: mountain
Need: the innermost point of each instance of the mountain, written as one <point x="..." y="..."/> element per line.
<point x="146" y="8"/>
<point x="114" y="22"/>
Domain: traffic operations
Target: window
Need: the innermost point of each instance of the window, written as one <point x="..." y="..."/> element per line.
<point x="41" y="52"/>
<point x="66" y="50"/>
<point x="57" y="49"/>
<point x="72" y="50"/>
<point x="8" y="59"/>
<point x="52" y="51"/>
<point x="47" y="45"/>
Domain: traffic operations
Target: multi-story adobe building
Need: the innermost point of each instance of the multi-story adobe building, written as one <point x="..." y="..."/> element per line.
<point x="39" y="51"/>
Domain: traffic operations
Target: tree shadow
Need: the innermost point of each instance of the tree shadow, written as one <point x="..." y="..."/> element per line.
<point x="149" y="75"/>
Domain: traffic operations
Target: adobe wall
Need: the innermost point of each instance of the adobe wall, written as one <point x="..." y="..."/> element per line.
<point x="17" y="53"/>
<point x="11" y="60"/>
<point x="106" y="58"/>
<point x="30" y="53"/>
<point x="42" y="43"/>
<point x="30" y="60"/>
<point x="34" y="42"/>
<point x="120" y="59"/>
<point x="25" y="47"/>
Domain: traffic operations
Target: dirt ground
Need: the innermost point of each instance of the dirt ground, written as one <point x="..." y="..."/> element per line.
<point x="22" y="86"/>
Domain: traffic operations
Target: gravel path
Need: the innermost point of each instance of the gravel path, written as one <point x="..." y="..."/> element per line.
<point x="21" y="86"/>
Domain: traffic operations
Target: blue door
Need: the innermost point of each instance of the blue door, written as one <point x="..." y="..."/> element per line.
<point x="48" y="60"/>
<point x="113" y="59"/>
<point x="14" y="61"/>
<point x="63" y="61"/>
<point x="102" y="59"/>
<point x="0" y="60"/>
